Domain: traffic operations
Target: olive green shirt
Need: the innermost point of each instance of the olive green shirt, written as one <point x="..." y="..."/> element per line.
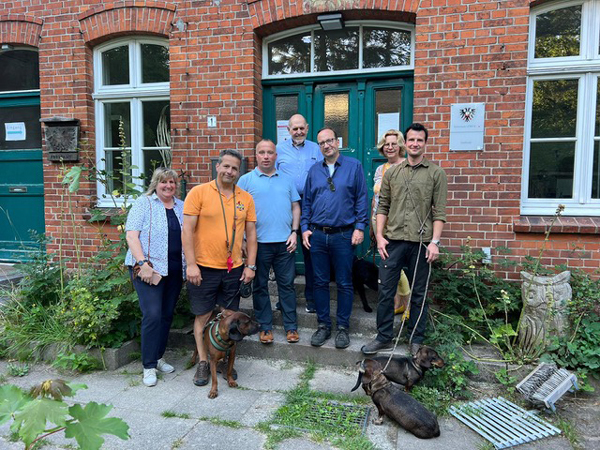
<point x="410" y="196"/>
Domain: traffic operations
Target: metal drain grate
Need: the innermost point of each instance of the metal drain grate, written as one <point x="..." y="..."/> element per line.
<point x="503" y="423"/>
<point x="329" y="414"/>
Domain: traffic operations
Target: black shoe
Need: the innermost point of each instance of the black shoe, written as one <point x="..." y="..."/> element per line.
<point x="278" y="306"/>
<point x="342" y="340"/>
<point x="222" y="368"/>
<point x="310" y="308"/>
<point x="321" y="335"/>
<point x="201" y="377"/>
<point x="376" y="346"/>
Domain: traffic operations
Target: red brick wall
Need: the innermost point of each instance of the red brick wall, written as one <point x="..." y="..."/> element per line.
<point x="466" y="51"/>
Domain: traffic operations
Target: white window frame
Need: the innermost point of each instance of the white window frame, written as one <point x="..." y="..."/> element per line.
<point x="586" y="68"/>
<point x="135" y="93"/>
<point x="360" y="24"/>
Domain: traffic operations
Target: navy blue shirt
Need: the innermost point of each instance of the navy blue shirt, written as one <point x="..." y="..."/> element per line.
<point x="347" y="205"/>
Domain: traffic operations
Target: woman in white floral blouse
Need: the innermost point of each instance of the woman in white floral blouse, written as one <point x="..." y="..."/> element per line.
<point x="392" y="146"/>
<point x="153" y="233"/>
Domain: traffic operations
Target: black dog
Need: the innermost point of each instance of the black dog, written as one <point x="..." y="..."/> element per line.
<point x="394" y="403"/>
<point x="406" y="370"/>
<point x="364" y="273"/>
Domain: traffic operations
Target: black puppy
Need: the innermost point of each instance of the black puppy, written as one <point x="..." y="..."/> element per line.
<point x="364" y="273"/>
<point x="394" y="403"/>
<point x="406" y="370"/>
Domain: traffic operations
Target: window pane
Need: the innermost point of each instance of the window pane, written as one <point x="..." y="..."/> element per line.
<point x="114" y="113"/>
<point x="557" y="33"/>
<point x="336" y="114"/>
<point x="152" y="160"/>
<point x="19" y="70"/>
<point x="551" y="170"/>
<point x="115" y="177"/>
<point x="285" y="106"/>
<point x="387" y="102"/>
<point x="28" y="115"/>
<point x="155" y="63"/>
<point x="157" y="124"/>
<point x="385" y="47"/>
<point x="554" y="111"/>
<point x="290" y="55"/>
<point x="336" y="50"/>
<point x="115" y="66"/>
<point x="596" y="171"/>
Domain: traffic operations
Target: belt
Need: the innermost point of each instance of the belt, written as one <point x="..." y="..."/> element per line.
<point x="332" y="230"/>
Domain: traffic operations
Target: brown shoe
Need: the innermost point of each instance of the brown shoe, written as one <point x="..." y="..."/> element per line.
<point x="266" y="337"/>
<point x="292" y="336"/>
<point x="201" y="377"/>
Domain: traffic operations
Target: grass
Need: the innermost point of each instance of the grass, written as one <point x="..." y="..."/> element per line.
<point x="170" y="414"/>
<point x="17" y="370"/>
<point x="222" y="422"/>
<point x="569" y="431"/>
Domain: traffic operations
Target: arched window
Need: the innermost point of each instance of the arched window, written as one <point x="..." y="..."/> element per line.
<point x="358" y="47"/>
<point x="132" y="105"/>
<point x="562" y="142"/>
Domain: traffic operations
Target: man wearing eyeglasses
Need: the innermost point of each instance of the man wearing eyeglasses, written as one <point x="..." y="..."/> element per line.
<point x="335" y="213"/>
<point x="410" y="219"/>
<point x="295" y="157"/>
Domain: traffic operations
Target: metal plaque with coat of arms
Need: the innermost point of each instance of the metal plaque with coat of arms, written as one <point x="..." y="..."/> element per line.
<point x="467" y="126"/>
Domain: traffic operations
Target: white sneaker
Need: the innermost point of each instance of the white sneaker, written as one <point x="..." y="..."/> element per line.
<point x="149" y="377"/>
<point x="164" y="366"/>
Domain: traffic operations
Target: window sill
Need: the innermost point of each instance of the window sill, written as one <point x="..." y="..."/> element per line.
<point x="563" y="225"/>
<point x="88" y="216"/>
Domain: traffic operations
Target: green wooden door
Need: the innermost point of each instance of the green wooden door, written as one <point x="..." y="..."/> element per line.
<point x="21" y="175"/>
<point x="360" y="110"/>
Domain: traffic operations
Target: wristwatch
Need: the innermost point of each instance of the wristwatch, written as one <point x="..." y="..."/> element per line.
<point x="297" y="231"/>
<point x="436" y="242"/>
<point x="251" y="267"/>
<point x="141" y="262"/>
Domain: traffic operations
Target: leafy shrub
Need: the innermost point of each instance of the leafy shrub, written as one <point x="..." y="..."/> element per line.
<point x="79" y="362"/>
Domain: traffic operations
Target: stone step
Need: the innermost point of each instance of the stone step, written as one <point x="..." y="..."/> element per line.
<point x="301" y="351"/>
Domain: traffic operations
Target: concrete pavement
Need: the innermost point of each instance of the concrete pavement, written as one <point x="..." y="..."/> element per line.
<point x="198" y="422"/>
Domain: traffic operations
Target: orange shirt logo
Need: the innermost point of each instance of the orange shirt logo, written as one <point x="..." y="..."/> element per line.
<point x="240" y="206"/>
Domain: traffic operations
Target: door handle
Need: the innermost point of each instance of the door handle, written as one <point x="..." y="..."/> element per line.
<point x="17" y="189"/>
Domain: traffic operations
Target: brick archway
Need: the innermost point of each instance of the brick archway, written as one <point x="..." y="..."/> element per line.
<point x="102" y="21"/>
<point x="20" y="29"/>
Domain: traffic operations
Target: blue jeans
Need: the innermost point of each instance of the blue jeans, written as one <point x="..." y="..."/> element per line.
<point x="274" y="254"/>
<point x="157" y="304"/>
<point x="309" y="277"/>
<point x="335" y="250"/>
<point x="402" y="254"/>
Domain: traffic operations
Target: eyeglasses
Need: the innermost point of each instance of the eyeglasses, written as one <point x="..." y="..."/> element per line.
<point x="327" y="142"/>
<point x="331" y="185"/>
<point x="391" y="144"/>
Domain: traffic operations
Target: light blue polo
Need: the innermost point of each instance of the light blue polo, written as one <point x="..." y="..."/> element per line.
<point x="295" y="161"/>
<point x="273" y="196"/>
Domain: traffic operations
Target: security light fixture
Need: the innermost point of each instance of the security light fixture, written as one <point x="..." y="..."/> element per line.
<point x="330" y="22"/>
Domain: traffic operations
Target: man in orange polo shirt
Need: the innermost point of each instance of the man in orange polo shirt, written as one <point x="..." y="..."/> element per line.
<point x="216" y="216"/>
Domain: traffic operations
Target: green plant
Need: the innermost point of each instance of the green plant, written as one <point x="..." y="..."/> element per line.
<point x="506" y="379"/>
<point x="169" y="414"/>
<point x="79" y="362"/>
<point x="17" y="370"/>
<point x="42" y="412"/>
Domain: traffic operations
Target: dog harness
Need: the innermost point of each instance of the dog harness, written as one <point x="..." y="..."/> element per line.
<point x="215" y="338"/>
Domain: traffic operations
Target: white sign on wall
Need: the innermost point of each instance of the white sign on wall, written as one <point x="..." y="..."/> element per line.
<point x="467" y="126"/>
<point x="282" y="131"/>
<point x="15" y="131"/>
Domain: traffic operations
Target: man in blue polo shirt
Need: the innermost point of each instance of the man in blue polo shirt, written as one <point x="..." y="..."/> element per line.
<point x="277" y="227"/>
<point x="295" y="157"/>
<point x="335" y="213"/>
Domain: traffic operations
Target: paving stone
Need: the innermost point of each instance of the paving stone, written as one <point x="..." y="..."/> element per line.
<point x="302" y="444"/>
<point x="339" y="381"/>
<point x="208" y="436"/>
<point x="262" y="409"/>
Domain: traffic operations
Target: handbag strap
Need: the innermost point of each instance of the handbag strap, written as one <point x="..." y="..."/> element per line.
<point x="150" y="228"/>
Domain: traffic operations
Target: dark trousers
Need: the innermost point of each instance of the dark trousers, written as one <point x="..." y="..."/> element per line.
<point x="402" y="254"/>
<point x="276" y="255"/>
<point x="309" y="287"/>
<point x="157" y="304"/>
<point x="333" y="250"/>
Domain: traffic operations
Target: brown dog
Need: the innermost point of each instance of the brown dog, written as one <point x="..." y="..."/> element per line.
<point x="406" y="370"/>
<point x="221" y="335"/>
<point x="394" y="403"/>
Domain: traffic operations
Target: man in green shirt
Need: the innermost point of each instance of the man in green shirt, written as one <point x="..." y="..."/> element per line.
<point x="410" y="220"/>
